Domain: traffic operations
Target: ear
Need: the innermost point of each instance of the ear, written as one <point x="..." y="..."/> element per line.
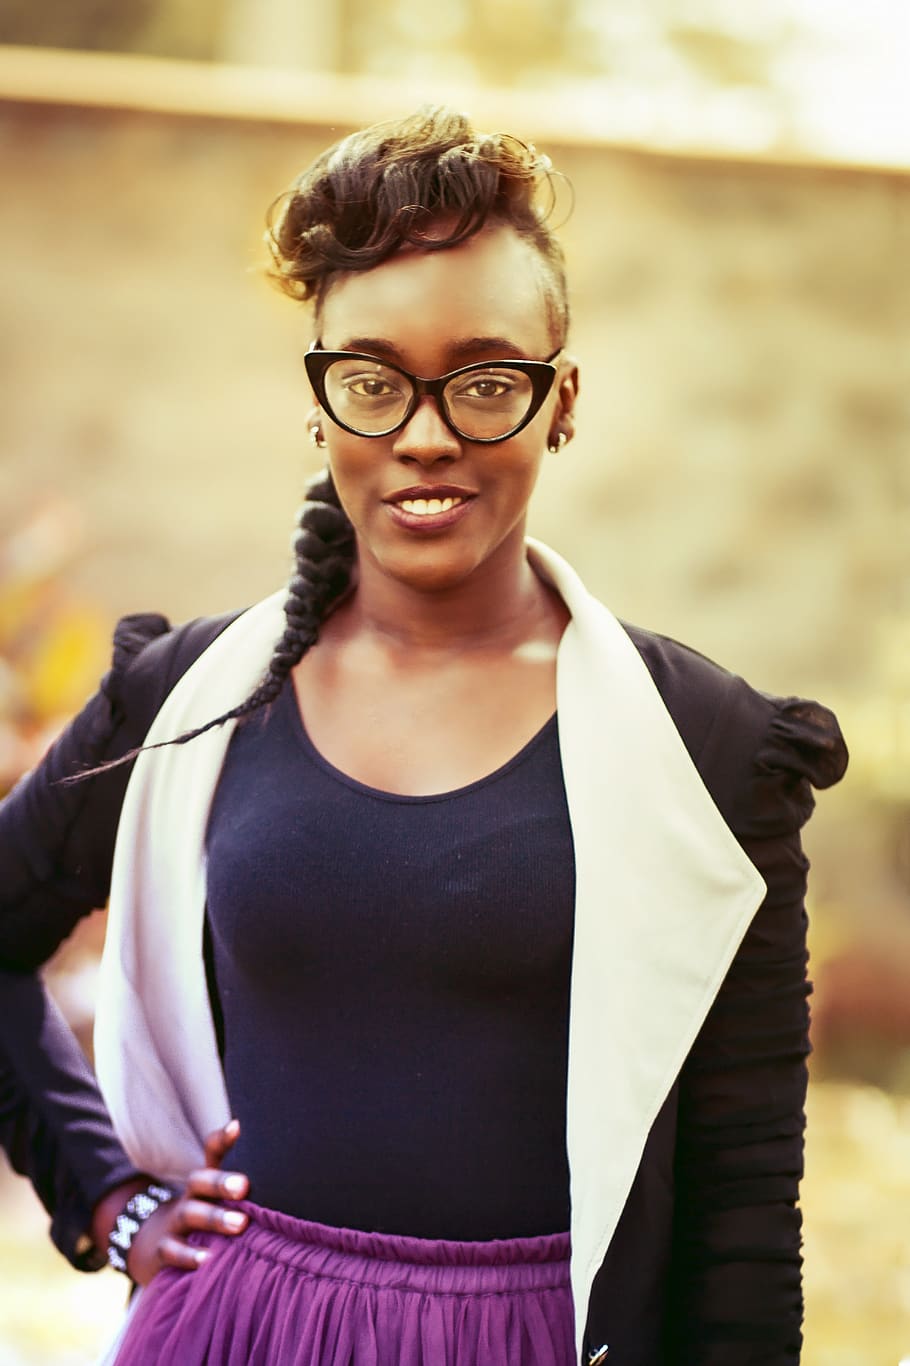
<point x="566" y="395"/>
<point x="316" y="428"/>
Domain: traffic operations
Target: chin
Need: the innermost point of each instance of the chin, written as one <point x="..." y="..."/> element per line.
<point x="429" y="568"/>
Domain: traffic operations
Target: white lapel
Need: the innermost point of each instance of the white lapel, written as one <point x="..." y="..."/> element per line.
<point x="663" y="897"/>
<point x="156" y="1053"/>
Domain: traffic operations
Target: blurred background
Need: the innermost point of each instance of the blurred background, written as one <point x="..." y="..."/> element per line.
<point x="738" y="253"/>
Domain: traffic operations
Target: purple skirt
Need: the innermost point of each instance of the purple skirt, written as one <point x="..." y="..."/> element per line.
<point x="287" y="1292"/>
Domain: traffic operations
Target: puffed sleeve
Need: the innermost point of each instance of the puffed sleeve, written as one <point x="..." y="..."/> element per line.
<point x="736" y="1289"/>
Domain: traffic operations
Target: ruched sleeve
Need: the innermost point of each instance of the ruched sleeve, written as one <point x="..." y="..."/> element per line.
<point x="56" y="854"/>
<point x="736" y="1297"/>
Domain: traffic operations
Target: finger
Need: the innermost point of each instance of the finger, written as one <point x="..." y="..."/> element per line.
<point x="197" y="1215"/>
<point x="220" y="1141"/>
<point x="208" y="1183"/>
<point x="172" y="1252"/>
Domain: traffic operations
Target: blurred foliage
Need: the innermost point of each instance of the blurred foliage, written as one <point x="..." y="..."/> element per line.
<point x="877" y="724"/>
<point x="855" y="1199"/>
<point x="52" y="643"/>
<point x="723" y="58"/>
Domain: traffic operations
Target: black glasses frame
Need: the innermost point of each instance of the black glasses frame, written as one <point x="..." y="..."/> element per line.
<point x="541" y="373"/>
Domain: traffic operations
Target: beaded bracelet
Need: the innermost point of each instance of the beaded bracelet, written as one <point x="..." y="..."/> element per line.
<point x="130" y="1220"/>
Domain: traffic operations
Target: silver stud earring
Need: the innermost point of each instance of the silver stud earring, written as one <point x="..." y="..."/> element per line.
<point x="317" y="438"/>
<point x="555" y="446"/>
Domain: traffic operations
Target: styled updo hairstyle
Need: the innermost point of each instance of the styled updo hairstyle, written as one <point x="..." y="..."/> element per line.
<point x="385" y="186"/>
<point x="359" y="202"/>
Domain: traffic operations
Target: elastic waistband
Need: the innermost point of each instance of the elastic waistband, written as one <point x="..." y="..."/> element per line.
<point x="501" y="1265"/>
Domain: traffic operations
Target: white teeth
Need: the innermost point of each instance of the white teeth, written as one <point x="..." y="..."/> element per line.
<point x="428" y="507"/>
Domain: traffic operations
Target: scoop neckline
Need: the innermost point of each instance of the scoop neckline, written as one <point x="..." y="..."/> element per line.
<point x="288" y="698"/>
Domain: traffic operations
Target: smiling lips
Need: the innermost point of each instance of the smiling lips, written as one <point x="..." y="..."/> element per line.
<point x="431" y="506"/>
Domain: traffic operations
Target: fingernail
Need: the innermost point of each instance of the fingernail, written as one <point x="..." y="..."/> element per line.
<point x="235" y="1185"/>
<point x="234" y="1219"/>
<point x="232" y="1127"/>
<point x="201" y="1257"/>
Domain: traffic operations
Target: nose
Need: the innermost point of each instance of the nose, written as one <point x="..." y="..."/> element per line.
<point x="425" y="438"/>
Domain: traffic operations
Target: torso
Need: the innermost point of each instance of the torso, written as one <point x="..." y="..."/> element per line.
<point x="381" y="967"/>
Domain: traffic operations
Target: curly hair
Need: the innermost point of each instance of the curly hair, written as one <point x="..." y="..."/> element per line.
<point x="386" y="186"/>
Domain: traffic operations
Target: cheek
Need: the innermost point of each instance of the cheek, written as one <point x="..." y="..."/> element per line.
<point x="519" y="466"/>
<point x="352" y="463"/>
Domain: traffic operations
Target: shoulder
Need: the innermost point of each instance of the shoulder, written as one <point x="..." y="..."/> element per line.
<point x="149" y="657"/>
<point x="758" y="755"/>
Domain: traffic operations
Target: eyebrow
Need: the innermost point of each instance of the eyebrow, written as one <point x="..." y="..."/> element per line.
<point x="458" y="349"/>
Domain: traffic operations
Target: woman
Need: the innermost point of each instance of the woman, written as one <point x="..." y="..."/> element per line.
<point x="500" y="902"/>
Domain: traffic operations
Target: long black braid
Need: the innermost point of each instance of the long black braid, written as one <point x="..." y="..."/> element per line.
<point x="323" y="560"/>
<point x="324" y="551"/>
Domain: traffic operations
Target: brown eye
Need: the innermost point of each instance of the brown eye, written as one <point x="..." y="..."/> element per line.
<point x="369" y="386"/>
<point x="484" y="386"/>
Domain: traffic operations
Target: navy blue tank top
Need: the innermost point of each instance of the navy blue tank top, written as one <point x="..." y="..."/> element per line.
<point x="390" y="979"/>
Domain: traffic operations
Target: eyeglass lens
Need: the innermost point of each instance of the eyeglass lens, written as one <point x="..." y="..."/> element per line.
<point x="483" y="403"/>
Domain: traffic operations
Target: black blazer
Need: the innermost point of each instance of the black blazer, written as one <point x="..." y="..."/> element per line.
<point x="704" y="1266"/>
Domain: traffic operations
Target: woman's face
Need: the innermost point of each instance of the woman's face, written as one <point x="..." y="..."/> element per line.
<point x="431" y="312"/>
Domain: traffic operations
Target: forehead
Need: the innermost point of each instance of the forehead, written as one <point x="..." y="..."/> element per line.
<point x="428" y="302"/>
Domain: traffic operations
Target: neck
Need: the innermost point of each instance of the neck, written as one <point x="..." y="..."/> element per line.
<point x="498" y="607"/>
